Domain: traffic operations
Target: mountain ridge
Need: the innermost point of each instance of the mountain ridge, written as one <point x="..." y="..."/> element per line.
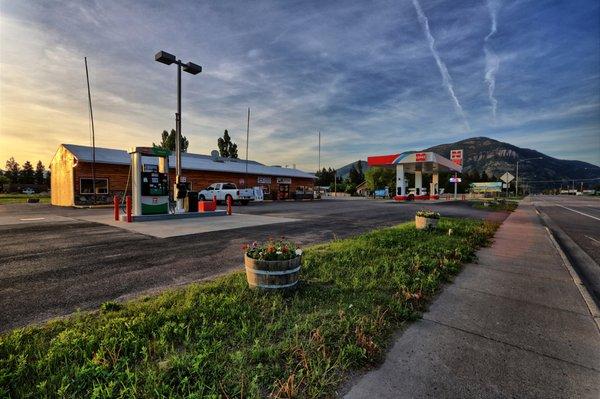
<point x="494" y="157"/>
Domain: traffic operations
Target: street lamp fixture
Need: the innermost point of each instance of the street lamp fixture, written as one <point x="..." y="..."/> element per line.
<point x="191" y="68"/>
<point x="517" y="178"/>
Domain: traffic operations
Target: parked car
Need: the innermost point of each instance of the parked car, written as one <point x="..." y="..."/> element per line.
<point x="412" y="192"/>
<point x="29" y="191"/>
<point x="225" y="190"/>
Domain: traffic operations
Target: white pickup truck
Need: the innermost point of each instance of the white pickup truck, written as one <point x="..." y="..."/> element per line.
<point x="224" y="190"/>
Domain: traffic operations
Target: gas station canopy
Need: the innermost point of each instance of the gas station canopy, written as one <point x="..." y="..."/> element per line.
<point x="417" y="163"/>
<point x="425" y="162"/>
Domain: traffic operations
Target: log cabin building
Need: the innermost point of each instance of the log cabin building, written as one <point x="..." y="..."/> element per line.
<point x="72" y="183"/>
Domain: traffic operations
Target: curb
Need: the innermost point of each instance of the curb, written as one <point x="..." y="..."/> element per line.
<point x="583" y="291"/>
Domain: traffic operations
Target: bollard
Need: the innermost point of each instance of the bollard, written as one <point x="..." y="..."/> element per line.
<point x="116" y="205"/>
<point x="214" y="200"/>
<point x="229" y="201"/>
<point x="128" y="208"/>
<point x="463" y="197"/>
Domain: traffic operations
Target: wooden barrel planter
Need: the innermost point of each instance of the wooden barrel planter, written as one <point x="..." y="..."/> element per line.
<point x="272" y="274"/>
<point x="423" y="223"/>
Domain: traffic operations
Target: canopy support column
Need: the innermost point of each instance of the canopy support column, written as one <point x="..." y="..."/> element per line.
<point x="434" y="186"/>
<point x="400" y="181"/>
<point x="418" y="182"/>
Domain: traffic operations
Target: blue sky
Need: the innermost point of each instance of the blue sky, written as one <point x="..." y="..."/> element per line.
<point x="364" y="73"/>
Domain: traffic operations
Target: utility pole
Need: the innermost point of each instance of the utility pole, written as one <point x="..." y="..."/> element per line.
<point x="247" y="140"/>
<point x="87" y="76"/>
<point x="319" y="169"/>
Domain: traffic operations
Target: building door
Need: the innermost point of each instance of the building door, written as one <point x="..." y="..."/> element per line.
<point x="284" y="191"/>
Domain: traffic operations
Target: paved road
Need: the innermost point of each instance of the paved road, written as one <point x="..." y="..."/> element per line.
<point x="575" y="221"/>
<point x="54" y="266"/>
<point x="577" y="216"/>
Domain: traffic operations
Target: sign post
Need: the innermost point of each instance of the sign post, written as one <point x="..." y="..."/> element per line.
<point x="456" y="156"/>
<point x="507" y="178"/>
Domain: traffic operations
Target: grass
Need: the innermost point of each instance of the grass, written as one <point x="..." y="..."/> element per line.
<point x="222" y="339"/>
<point x="499" y="206"/>
<point x="22" y="198"/>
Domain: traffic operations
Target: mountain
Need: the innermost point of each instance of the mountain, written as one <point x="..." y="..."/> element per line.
<point x="496" y="157"/>
<point x="344" y="171"/>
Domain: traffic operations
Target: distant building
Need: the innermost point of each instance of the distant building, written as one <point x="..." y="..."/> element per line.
<point x="72" y="183"/>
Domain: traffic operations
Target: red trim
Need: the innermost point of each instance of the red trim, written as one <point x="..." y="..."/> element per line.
<point x="401" y="198"/>
<point x="434" y="197"/>
<point x="379" y="160"/>
<point x="421" y="197"/>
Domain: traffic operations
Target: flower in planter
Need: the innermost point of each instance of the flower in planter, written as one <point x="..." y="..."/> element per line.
<point x="428" y="214"/>
<point x="272" y="249"/>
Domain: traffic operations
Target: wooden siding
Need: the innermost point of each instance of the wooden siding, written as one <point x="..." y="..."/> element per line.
<point x="61" y="179"/>
<point x="117" y="178"/>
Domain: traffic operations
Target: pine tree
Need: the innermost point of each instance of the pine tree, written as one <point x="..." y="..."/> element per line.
<point x="39" y="173"/>
<point x="168" y="141"/>
<point x="27" y="174"/>
<point x="227" y="148"/>
<point x="12" y="170"/>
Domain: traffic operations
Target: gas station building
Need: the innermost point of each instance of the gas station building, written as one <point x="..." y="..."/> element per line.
<point x="417" y="163"/>
<point x="71" y="178"/>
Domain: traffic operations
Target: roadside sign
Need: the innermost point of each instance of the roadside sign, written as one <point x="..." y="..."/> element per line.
<point x="455" y="180"/>
<point x="456" y="156"/>
<point x="507" y="177"/>
<point x="420" y="157"/>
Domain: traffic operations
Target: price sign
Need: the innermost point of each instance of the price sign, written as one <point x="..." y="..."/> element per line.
<point x="456" y="156"/>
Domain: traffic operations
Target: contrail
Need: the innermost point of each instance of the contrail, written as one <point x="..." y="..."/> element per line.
<point x="446" y="78"/>
<point x="492" y="62"/>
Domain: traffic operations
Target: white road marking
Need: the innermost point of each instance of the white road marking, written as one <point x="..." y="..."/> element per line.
<point x="581" y="213"/>
<point x="31" y="219"/>
<point x="593" y="239"/>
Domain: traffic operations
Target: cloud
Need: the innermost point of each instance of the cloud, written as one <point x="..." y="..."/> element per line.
<point x="492" y="62"/>
<point x="446" y="78"/>
<point x="359" y="72"/>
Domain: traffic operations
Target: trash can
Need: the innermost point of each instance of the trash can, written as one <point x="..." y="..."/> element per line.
<point x="190" y="202"/>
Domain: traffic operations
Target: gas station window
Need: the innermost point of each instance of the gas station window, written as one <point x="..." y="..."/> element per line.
<point x="86" y="186"/>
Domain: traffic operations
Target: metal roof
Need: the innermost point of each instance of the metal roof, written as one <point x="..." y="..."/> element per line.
<point x="188" y="161"/>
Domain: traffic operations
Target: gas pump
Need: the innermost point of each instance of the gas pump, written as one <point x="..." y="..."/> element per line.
<point x="149" y="180"/>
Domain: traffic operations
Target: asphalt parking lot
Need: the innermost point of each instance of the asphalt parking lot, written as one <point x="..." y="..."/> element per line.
<point x="54" y="262"/>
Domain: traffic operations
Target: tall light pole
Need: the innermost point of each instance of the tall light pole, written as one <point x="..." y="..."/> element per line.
<point x="190" y="67"/>
<point x="517" y="178"/>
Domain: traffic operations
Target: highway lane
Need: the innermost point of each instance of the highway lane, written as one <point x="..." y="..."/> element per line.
<point x="577" y="216"/>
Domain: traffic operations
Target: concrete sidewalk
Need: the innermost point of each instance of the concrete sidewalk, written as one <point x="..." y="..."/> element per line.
<point x="512" y="325"/>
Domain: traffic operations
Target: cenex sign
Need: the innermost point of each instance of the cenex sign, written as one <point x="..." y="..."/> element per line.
<point x="420" y="157"/>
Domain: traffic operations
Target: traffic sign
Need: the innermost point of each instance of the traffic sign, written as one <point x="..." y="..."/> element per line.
<point x="507" y="177"/>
